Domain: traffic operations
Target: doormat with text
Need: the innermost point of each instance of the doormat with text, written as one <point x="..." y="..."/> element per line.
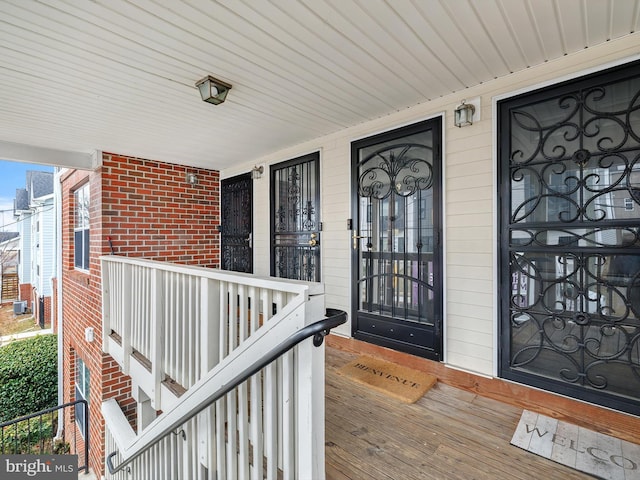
<point x="405" y="384"/>
<point x="576" y="447"/>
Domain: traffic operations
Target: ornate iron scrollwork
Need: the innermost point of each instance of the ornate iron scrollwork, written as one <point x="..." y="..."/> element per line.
<point x="295" y="219"/>
<point x="402" y="169"/>
<point x="235" y="206"/>
<point x="573" y="237"/>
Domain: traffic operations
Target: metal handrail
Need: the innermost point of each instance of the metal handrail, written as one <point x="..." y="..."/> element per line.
<point x="318" y="330"/>
<point x="26" y="418"/>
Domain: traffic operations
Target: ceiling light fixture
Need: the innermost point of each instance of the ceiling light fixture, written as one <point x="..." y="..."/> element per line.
<point x="213" y="90"/>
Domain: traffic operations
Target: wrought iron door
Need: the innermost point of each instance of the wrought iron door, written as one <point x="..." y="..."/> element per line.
<point x="570" y="241"/>
<point x="295" y="219"/>
<point x="395" y="239"/>
<point x="236" y="229"/>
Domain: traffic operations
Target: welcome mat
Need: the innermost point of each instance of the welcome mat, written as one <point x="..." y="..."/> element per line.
<point x="579" y="448"/>
<point x="405" y="384"/>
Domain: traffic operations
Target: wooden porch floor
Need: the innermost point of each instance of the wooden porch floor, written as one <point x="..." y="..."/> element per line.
<point x="448" y="434"/>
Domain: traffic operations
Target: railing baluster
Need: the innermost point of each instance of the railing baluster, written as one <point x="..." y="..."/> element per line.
<point x="40" y="434"/>
<point x="185" y="371"/>
<point x="270" y="421"/>
<point x="196" y="321"/>
<point x="75" y="438"/>
<point x="288" y="423"/>
<point x="54" y="430"/>
<point x="255" y="422"/>
<point x="37" y="440"/>
<point x="179" y="331"/>
<point x="200" y="328"/>
<point x="29" y="435"/>
<point x="221" y="405"/>
<point x="169" y="325"/>
<point x="243" y="414"/>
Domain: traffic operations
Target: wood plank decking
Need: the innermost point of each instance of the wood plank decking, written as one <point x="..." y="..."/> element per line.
<point x="448" y="434"/>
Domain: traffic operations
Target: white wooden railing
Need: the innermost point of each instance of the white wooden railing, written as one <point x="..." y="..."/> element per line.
<point x="182" y="332"/>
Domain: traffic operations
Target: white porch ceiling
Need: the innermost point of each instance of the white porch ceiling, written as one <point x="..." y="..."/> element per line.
<point x="119" y="75"/>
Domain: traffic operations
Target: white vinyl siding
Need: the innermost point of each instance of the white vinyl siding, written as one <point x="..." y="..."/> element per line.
<point x="24" y="228"/>
<point x="469" y="204"/>
<point x="47" y="233"/>
<point x="42" y="241"/>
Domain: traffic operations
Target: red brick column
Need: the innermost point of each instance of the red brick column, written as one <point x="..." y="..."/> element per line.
<point x="148" y="210"/>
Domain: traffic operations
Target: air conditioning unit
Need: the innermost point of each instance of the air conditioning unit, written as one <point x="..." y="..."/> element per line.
<point x="19" y="308"/>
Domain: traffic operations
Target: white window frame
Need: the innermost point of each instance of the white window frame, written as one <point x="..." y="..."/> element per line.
<point x="82" y="388"/>
<point x="81" y="236"/>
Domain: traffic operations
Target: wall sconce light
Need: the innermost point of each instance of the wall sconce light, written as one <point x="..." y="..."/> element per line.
<point x="213" y="90"/>
<point x="89" y="334"/>
<point x="463" y="114"/>
<point x="257" y="171"/>
<point x="192" y="178"/>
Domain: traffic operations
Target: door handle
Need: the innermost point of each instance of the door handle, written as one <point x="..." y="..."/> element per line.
<point x="249" y="240"/>
<point x="313" y="242"/>
<point x="355" y="239"/>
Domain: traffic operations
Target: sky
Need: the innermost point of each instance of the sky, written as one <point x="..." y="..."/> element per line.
<point x="13" y="176"/>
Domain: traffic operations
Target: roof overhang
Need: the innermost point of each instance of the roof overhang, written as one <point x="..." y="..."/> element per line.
<point x="120" y="76"/>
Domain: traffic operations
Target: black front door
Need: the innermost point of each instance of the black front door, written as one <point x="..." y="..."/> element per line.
<point x="569" y="175"/>
<point x="396" y="248"/>
<point x="295" y="219"/>
<point x="236" y="228"/>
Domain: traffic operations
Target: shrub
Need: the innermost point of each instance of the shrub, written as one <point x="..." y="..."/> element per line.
<point x="28" y="376"/>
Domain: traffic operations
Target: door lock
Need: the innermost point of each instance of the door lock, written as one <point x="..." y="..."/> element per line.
<point x="355" y="239"/>
<point x="313" y="242"/>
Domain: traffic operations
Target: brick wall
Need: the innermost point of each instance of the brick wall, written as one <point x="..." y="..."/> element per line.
<point x="148" y="210"/>
<point x="25" y="293"/>
<point x="54" y="305"/>
<point x="47" y="311"/>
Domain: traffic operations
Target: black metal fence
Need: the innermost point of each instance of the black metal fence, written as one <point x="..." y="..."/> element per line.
<point x="37" y="434"/>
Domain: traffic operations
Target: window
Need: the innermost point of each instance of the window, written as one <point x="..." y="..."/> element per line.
<point x="82" y="393"/>
<point x="81" y="228"/>
<point x="569" y="254"/>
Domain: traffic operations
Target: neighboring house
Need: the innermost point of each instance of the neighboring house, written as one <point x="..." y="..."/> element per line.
<point x="505" y="252"/>
<point x="9" y="258"/>
<point x="35" y="220"/>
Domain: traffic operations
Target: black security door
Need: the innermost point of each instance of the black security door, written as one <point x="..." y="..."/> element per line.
<point x="295" y="219"/>
<point x="570" y="238"/>
<point x="396" y="248"/>
<point x="236" y="228"/>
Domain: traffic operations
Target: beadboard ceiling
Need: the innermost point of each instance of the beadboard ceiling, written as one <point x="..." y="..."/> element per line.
<point x="119" y="75"/>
